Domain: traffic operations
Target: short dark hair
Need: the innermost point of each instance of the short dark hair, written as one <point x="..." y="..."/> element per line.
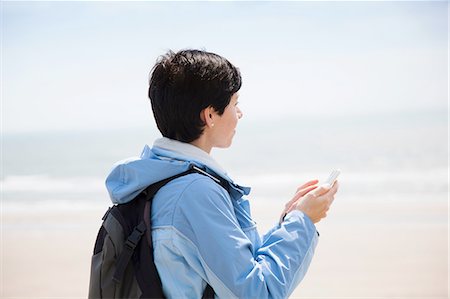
<point x="182" y="84"/>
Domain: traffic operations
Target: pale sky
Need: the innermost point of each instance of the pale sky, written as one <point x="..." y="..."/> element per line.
<point x="82" y="65"/>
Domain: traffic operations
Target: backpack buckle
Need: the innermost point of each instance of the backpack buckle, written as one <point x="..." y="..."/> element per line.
<point x="130" y="244"/>
<point x="136" y="235"/>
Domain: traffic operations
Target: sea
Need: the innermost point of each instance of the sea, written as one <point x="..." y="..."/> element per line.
<point x="400" y="157"/>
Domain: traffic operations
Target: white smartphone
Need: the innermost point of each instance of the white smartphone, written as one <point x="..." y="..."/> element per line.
<point x="333" y="177"/>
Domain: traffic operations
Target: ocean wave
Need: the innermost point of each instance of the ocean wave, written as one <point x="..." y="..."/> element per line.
<point x="80" y="185"/>
<point x="350" y="177"/>
<point x="46" y="183"/>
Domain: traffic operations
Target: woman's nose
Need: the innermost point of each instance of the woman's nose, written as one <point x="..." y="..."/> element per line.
<point x="239" y="113"/>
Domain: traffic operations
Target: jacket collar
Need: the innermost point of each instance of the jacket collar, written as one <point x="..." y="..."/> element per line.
<point x="184" y="150"/>
<point x="187" y="152"/>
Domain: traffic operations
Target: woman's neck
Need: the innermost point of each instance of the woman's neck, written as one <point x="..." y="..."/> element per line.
<point x="202" y="144"/>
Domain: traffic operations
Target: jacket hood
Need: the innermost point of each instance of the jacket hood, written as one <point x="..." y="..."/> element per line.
<point x="131" y="176"/>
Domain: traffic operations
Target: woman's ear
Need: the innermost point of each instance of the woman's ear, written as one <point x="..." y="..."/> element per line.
<point x="206" y="115"/>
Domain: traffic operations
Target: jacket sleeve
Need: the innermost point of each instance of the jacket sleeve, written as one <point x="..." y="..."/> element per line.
<point x="216" y="246"/>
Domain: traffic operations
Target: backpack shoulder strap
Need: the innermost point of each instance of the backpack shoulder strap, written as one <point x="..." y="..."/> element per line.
<point x="151" y="190"/>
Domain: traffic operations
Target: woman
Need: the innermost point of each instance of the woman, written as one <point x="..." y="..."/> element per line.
<point x="202" y="229"/>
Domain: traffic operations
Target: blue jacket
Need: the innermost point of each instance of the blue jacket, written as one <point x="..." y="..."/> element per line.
<point x="204" y="234"/>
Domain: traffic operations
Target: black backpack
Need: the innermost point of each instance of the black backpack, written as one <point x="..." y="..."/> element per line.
<point x="122" y="264"/>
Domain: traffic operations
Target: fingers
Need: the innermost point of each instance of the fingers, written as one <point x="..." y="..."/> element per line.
<point x="309" y="183"/>
<point x="301" y="191"/>
<point x="306" y="190"/>
<point x="325" y="194"/>
<point x="329" y="196"/>
<point x="321" y="190"/>
<point x="335" y="188"/>
<point x="325" y="188"/>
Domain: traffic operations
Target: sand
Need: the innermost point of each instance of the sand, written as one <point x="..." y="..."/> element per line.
<point x="378" y="250"/>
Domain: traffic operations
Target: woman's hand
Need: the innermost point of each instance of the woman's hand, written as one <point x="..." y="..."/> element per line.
<point x="301" y="191"/>
<point x="317" y="203"/>
<point x="312" y="200"/>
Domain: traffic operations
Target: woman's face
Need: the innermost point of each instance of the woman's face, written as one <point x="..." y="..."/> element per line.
<point x="225" y="124"/>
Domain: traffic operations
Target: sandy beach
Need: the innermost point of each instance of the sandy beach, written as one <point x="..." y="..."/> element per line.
<point x="378" y="250"/>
